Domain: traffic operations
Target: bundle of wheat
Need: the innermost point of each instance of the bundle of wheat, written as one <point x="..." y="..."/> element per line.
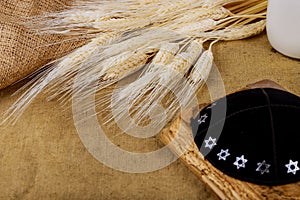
<point x="162" y="37"/>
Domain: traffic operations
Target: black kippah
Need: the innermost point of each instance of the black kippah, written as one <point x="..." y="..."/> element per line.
<point x="260" y="140"/>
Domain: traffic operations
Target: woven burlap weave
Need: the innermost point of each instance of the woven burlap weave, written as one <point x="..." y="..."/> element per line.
<point x="22" y="51"/>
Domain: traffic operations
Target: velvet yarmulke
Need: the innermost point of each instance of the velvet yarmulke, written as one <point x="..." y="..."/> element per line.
<point x="256" y="140"/>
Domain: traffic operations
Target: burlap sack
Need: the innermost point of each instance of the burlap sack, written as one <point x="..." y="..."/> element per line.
<point x="23" y="51"/>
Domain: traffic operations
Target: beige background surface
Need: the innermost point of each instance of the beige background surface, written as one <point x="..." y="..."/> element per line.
<point x="43" y="157"/>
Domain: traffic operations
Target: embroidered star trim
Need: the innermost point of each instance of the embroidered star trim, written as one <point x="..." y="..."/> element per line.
<point x="263" y="167"/>
<point x="202" y="119"/>
<point x="292" y="167"/>
<point x="240" y="162"/>
<point x="210" y="142"/>
<point x="223" y="154"/>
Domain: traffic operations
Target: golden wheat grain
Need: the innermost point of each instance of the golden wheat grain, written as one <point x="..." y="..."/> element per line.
<point x="195" y="49"/>
<point x="197" y="14"/>
<point x="196" y="27"/>
<point x="163" y="57"/>
<point x="131" y="65"/>
<point x="149" y="90"/>
<point x="166" y="53"/>
<point x="202" y="67"/>
<point x="183" y="61"/>
<point x="175" y="83"/>
<point x="196" y="78"/>
<point x="236" y="32"/>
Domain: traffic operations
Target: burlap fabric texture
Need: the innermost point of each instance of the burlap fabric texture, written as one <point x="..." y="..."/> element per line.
<point x="22" y="51"/>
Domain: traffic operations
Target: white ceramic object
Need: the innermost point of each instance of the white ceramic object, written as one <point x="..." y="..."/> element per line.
<point x="283" y="26"/>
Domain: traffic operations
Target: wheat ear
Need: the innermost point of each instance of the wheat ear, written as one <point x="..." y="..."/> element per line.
<point x="136" y="26"/>
<point x="131" y="65"/>
<point x="237" y="32"/>
<point x="164" y="56"/>
<point x="195" y="80"/>
<point x="55" y="74"/>
<point x="144" y="100"/>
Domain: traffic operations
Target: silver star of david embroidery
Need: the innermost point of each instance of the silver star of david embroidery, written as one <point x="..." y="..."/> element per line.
<point x="210" y="142"/>
<point x="223" y="154"/>
<point x="240" y="162"/>
<point x="263" y="167"/>
<point x="202" y="119"/>
<point x="292" y="167"/>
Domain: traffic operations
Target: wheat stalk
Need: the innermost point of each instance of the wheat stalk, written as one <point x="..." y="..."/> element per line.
<point x="124" y="36"/>
<point x="150" y="89"/>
